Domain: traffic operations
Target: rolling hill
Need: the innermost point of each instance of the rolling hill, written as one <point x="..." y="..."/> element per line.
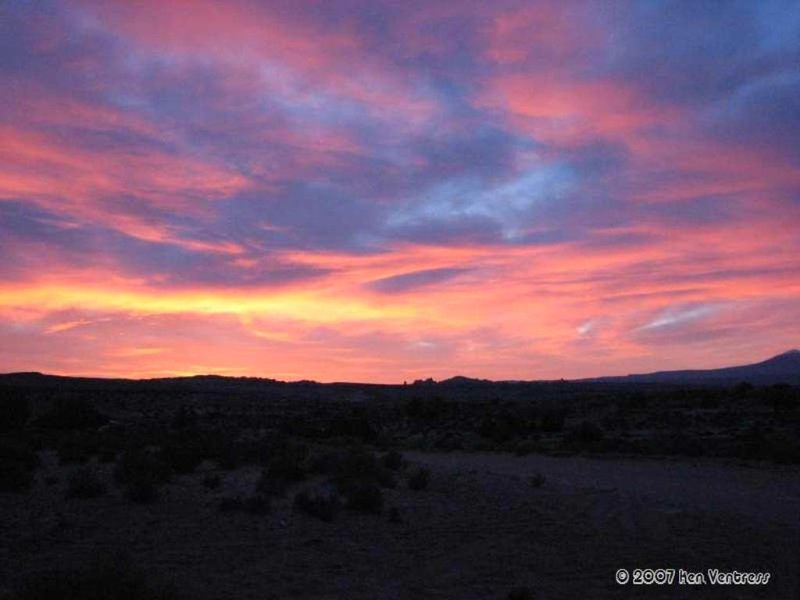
<point x="783" y="368"/>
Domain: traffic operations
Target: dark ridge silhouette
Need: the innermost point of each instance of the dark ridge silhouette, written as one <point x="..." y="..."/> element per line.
<point x="783" y="368"/>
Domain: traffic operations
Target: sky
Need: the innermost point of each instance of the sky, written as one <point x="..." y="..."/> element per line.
<point x="381" y="191"/>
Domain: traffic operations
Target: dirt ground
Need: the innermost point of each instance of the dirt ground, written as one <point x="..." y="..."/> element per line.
<point x="479" y="530"/>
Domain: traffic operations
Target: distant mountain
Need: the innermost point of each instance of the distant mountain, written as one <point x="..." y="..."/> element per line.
<point x="783" y="368"/>
<point x="462" y="380"/>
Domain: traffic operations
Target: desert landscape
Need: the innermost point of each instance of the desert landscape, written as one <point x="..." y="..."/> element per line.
<point x="245" y="488"/>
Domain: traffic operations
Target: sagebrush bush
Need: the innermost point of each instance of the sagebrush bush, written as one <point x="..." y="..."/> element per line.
<point x="77" y="449"/>
<point x="520" y="593"/>
<point x="394" y="515"/>
<point x="272" y="487"/>
<point x="258" y="504"/>
<point x="143" y="472"/>
<point x="72" y="413"/>
<point x="260" y="500"/>
<point x="142" y="490"/>
<point x="325" y="463"/>
<point x="230" y="454"/>
<point x="85" y="482"/>
<point x="14" y="411"/>
<point x="363" y="496"/>
<point x="182" y="455"/>
<point x="358" y="464"/>
<point x="322" y="504"/>
<point x="537" y="480"/>
<point x="525" y="447"/>
<point x="552" y="418"/>
<point x="212" y="481"/>
<point x="289" y="464"/>
<point x="392" y="460"/>
<point x="14" y="476"/>
<point x="18" y="463"/>
<point x="783" y="450"/>
<point x="419" y="479"/>
<point x="230" y="504"/>
<point x="184" y="417"/>
<point x="141" y="463"/>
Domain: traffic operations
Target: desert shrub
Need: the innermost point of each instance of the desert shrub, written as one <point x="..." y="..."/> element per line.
<point x="141" y="463"/>
<point x="260" y="451"/>
<point x="72" y="414"/>
<point x="525" y="447"/>
<point x="710" y="402"/>
<point x="751" y="444"/>
<point x="552" y="419"/>
<point x="77" y="449"/>
<point x="211" y="481"/>
<point x="257" y="504"/>
<point x="427" y="409"/>
<point x="472" y="442"/>
<point x="781" y="397"/>
<point x="520" y="593"/>
<point x="589" y="432"/>
<point x="14" y="411"/>
<point x="269" y="486"/>
<point x="107" y="455"/>
<point x="182" y="455"/>
<point x="447" y="441"/>
<point x="15" y="477"/>
<point x="358" y="464"/>
<point x="230" y="504"/>
<point x="419" y="479"/>
<point x="325" y="463"/>
<point x="414" y="408"/>
<point x="385" y="440"/>
<point x="107" y="442"/>
<point x="486" y="427"/>
<point x="18" y="463"/>
<point x="289" y="463"/>
<point x="619" y="444"/>
<point x="85" y="482"/>
<point x="676" y="444"/>
<point x="355" y="426"/>
<point x="100" y="581"/>
<point x="392" y="460"/>
<point x="782" y="450"/>
<point x="230" y="454"/>
<point x="687" y="445"/>
<point x="498" y="428"/>
<point x="183" y="417"/>
<point x="142" y="490"/>
<point x="354" y="464"/>
<point x="676" y="420"/>
<point x="363" y="496"/>
<point x="143" y="471"/>
<point x="322" y="504"/>
<point x="417" y="441"/>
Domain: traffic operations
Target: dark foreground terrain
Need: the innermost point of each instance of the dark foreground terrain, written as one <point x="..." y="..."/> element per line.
<point x="212" y="488"/>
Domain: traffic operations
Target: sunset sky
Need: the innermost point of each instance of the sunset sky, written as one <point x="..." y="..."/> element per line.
<point x="387" y="190"/>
